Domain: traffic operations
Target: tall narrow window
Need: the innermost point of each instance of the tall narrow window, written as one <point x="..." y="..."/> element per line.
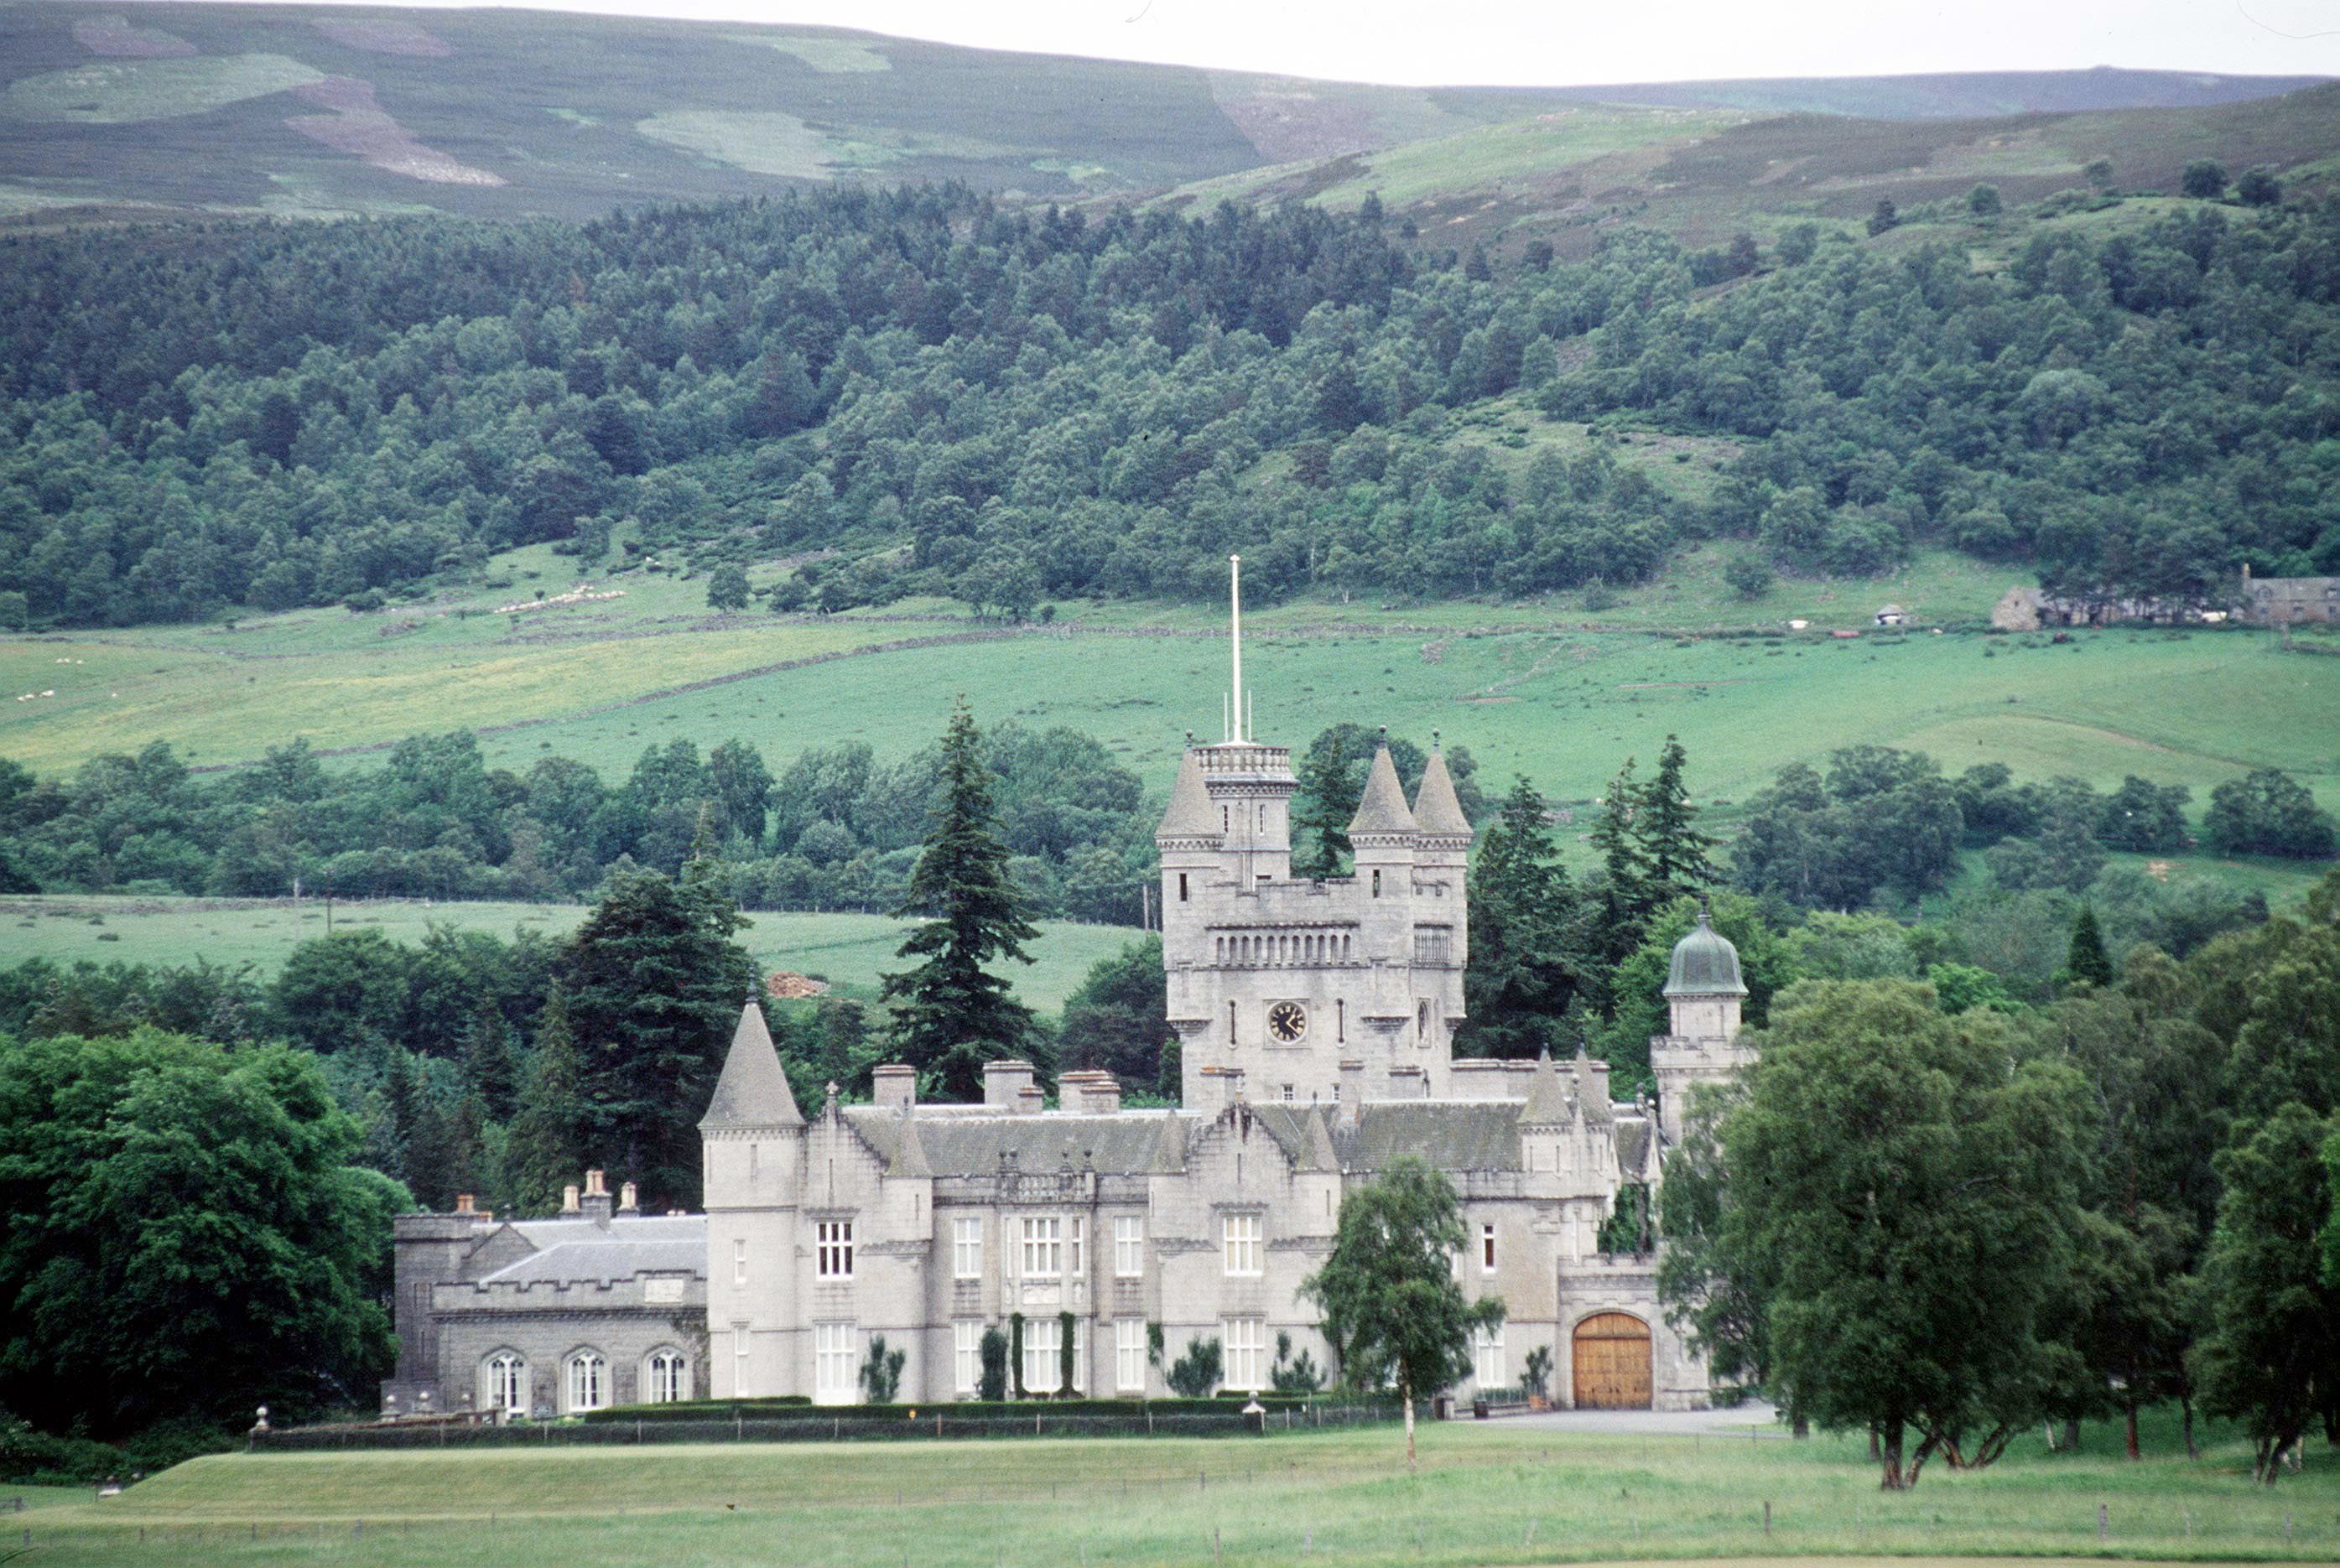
<point x="739" y="1263"/>
<point x="1075" y="1238"/>
<point x="1377" y="884"/>
<point x="834" y="1363"/>
<point x="589" y="1381"/>
<point x="1128" y="1246"/>
<point x="833" y="1249"/>
<point x="1239" y="1240"/>
<point x="1486" y="1249"/>
<point x="666" y="1378"/>
<point x="1246" y="1345"/>
<point x="1230" y="1024"/>
<point x="1340" y="1020"/>
<point x="740" y="1348"/>
<point x="967" y="1249"/>
<point x="967" y="1356"/>
<point x="1129" y="1355"/>
<point x="1182" y="887"/>
<point x="1487" y="1357"/>
<point x="1042" y="1335"/>
<point x="507" y="1383"/>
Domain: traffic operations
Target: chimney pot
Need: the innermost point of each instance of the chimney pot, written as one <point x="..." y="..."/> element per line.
<point x="597" y="1206"/>
<point x="629" y="1201"/>
<point x="464" y="1203"/>
<point x="568" y="1204"/>
<point x="594" y="1187"/>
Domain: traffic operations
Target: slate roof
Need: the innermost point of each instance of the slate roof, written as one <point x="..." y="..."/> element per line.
<point x="579" y="1251"/>
<point x="753" y="1091"/>
<point x="1190" y="814"/>
<point x="970" y="1141"/>
<point x="1383" y="808"/>
<point x="1435" y="808"/>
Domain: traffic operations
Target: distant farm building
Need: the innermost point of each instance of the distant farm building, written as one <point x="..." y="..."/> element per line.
<point x="2288" y="601"/>
<point x="2028" y="610"/>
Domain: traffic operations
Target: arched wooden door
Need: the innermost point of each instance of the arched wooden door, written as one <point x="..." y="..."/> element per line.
<point x="1611" y="1362"/>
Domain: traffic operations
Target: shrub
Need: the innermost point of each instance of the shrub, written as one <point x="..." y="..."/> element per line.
<point x="881" y="1374"/>
<point x="1749" y="574"/>
<point x="2204" y="179"/>
<point x="1196" y="1373"/>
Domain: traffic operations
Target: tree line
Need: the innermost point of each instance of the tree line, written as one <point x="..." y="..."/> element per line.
<point x="1946" y="1224"/>
<point x="1009" y="404"/>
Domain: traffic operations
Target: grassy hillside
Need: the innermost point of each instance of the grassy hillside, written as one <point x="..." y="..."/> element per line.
<point x="139" y="109"/>
<point x="1706" y="167"/>
<point x="851" y="951"/>
<point x="1545" y="687"/>
<point x="1495" y="1492"/>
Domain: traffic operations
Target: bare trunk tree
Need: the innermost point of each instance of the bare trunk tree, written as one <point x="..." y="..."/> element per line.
<point x="1405" y="1392"/>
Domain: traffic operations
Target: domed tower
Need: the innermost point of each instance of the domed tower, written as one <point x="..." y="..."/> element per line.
<point x="1703" y="994"/>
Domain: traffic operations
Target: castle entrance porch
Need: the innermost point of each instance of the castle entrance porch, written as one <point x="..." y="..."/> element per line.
<point x="1611" y="1362"/>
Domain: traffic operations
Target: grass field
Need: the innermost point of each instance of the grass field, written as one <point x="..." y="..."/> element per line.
<point x="851" y="951"/>
<point x="1543" y="687"/>
<point x="1492" y="1494"/>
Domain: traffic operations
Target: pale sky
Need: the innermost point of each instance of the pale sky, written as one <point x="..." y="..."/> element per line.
<point x="1561" y="42"/>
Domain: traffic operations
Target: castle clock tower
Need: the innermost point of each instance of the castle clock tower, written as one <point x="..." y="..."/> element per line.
<point x="1276" y="985"/>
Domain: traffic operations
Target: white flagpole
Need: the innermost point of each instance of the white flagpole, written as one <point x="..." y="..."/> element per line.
<point x="1235" y="593"/>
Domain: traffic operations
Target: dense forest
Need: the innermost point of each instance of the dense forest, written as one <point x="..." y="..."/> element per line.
<point x="1006" y="404"/>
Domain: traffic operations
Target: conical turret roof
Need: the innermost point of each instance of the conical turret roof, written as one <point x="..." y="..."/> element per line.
<point x="1435" y="808"/>
<point x="1547" y="1103"/>
<point x="752" y="1090"/>
<point x="1704" y="963"/>
<point x="1190" y="814"/>
<point x="1383" y="807"/>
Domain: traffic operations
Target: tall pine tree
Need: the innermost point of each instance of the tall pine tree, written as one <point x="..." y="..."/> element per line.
<point x="655" y="983"/>
<point x="1526" y="969"/>
<point x="1674" y="852"/>
<point x="953" y="1015"/>
<point x="1626" y="904"/>
<point x="2087" y="961"/>
<point x="547" y="1147"/>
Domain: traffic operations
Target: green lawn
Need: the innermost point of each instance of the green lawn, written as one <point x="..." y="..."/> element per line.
<point x="851" y="950"/>
<point x="1494" y="1493"/>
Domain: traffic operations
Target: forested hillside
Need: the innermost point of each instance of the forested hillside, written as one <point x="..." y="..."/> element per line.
<point x="1007" y="405"/>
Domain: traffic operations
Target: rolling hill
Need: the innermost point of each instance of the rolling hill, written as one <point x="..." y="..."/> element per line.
<point x="144" y="110"/>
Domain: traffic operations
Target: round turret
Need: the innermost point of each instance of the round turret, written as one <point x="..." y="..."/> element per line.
<point x="1704" y="963"/>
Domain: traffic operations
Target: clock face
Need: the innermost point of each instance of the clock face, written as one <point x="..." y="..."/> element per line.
<point x="1287" y="1020"/>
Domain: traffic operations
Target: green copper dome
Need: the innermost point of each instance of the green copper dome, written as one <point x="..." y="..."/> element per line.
<point x="1705" y="963"/>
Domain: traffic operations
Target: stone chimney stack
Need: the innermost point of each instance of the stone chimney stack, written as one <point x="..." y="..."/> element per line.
<point x="1031" y="1100"/>
<point x="1352" y="1091"/>
<point x="568" y="1200"/>
<point x="1004" y="1083"/>
<point x="1092" y="1092"/>
<point x="628" y="1200"/>
<point x="597" y="1199"/>
<point x="896" y="1086"/>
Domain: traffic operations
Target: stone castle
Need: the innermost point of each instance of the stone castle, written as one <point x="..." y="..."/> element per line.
<point x="1316" y="1019"/>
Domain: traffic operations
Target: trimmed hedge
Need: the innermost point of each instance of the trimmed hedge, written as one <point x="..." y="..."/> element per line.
<point x="796" y="1404"/>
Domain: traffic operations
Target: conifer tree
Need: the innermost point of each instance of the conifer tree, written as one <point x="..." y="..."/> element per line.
<point x="953" y="1014"/>
<point x="547" y="1146"/>
<point x="1526" y="966"/>
<point x="655" y="982"/>
<point x="1674" y="852"/>
<point x="2088" y="961"/>
<point x="1625" y="901"/>
<point x="488" y="1061"/>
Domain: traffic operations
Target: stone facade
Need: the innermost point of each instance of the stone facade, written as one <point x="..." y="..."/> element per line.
<point x="603" y="1305"/>
<point x="1315" y="1021"/>
<point x="2290" y="601"/>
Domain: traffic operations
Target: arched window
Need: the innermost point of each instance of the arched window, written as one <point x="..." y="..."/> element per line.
<point x="506" y="1393"/>
<point x="589" y="1381"/>
<point x="665" y="1377"/>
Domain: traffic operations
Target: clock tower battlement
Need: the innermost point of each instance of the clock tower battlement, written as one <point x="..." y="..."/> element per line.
<point x="1288" y="990"/>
